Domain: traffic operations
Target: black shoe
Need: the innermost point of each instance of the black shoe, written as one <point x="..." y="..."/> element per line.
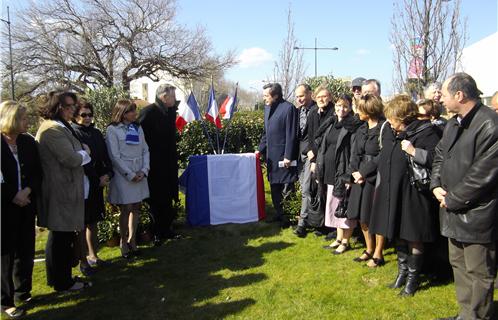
<point x="14" y="314"/>
<point x="400" y="281"/>
<point x="284" y="224"/>
<point x="172" y="235"/>
<point x="87" y="271"/>
<point x="273" y="219"/>
<point x="412" y="279"/>
<point x="23" y="298"/>
<point x="157" y="241"/>
<point x="300" y="232"/>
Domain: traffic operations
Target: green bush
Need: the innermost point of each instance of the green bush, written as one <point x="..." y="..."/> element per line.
<point x="244" y="134"/>
<point x="103" y="101"/>
<point x="336" y="86"/>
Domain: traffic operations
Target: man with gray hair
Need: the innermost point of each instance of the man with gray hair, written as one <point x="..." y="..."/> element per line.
<point x="464" y="179"/>
<point x="158" y="123"/>
<point x="371" y="86"/>
<point x="433" y="92"/>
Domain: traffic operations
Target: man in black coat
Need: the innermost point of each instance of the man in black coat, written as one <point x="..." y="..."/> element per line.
<point x="279" y="146"/>
<point x="158" y="123"/>
<point x="464" y="180"/>
<point x="305" y="105"/>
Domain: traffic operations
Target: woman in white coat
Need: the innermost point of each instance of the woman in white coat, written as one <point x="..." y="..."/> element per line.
<point x="129" y="154"/>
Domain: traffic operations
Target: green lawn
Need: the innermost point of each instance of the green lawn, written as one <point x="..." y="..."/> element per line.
<point x="251" y="271"/>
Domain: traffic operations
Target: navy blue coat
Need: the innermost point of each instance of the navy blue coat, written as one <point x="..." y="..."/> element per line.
<point x="280" y="140"/>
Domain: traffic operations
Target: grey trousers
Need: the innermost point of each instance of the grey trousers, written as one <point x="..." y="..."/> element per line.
<point x="474" y="271"/>
<point x="305" y="182"/>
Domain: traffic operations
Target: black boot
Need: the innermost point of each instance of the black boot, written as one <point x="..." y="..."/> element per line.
<point x="402" y="252"/>
<point x="412" y="280"/>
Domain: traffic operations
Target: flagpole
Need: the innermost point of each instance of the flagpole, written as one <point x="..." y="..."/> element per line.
<point x="230" y="119"/>
<point x="217" y="129"/>
<point x="203" y="124"/>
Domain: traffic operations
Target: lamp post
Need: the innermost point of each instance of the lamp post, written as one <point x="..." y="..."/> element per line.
<point x="316" y="49"/>
<point x="10" y="53"/>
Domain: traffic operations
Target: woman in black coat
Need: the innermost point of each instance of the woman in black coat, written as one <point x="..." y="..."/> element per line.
<point x="336" y="136"/>
<point x="21" y="177"/>
<point x="363" y="170"/>
<point x="99" y="172"/>
<point x="402" y="210"/>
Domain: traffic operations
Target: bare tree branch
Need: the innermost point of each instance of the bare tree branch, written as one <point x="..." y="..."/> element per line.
<point x="441" y="33"/>
<point x="104" y="43"/>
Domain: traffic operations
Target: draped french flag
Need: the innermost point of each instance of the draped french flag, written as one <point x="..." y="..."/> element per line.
<point x="228" y="106"/>
<point x="187" y="112"/>
<point x="224" y="189"/>
<point x="212" y="109"/>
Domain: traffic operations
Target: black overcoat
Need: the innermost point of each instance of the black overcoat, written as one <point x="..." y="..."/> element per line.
<point x="399" y="209"/>
<point x="99" y="165"/>
<point x="280" y="141"/>
<point x="31" y="175"/>
<point x="158" y="124"/>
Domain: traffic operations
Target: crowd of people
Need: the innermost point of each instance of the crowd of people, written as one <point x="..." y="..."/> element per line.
<point x="385" y="167"/>
<point x="60" y="176"/>
<point x="400" y="170"/>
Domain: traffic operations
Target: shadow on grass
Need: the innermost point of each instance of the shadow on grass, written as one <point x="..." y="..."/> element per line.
<point x="193" y="278"/>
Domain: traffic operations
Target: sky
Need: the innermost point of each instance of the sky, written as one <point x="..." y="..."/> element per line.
<point x="255" y="29"/>
<point x="360" y="29"/>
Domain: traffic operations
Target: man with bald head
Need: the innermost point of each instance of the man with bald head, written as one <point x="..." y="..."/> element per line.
<point x="464" y="179"/>
<point x="305" y="104"/>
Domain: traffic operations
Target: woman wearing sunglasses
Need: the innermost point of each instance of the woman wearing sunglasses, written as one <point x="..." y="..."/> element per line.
<point x="99" y="172"/>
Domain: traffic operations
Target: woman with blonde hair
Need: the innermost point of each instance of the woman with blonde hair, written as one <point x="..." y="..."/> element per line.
<point x="403" y="207"/>
<point x="21" y="178"/>
<point x="129" y="154"/>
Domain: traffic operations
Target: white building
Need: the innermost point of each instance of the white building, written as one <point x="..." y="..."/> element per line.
<point x="145" y="89"/>
<point x="480" y="61"/>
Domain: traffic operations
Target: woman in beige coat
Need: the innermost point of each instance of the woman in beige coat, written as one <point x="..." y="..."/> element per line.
<point x="129" y="154"/>
<point x="63" y="188"/>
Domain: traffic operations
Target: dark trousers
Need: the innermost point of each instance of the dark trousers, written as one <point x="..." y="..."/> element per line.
<point x="162" y="214"/>
<point x="18" y="253"/>
<point x="474" y="267"/>
<point x="280" y="191"/>
<point x="59" y="257"/>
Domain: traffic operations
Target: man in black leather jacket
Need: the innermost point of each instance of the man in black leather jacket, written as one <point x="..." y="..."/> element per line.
<point x="464" y="180"/>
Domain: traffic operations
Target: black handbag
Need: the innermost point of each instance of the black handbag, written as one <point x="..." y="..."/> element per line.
<point x="420" y="176"/>
<point x="341" y="211"/>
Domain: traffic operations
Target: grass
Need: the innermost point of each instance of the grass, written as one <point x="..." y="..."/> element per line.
<point x="250" y="271"/>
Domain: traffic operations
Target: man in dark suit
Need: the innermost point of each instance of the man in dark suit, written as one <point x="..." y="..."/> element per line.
<point x="279" y="146"/>
<point x="305" y="104"/>
<point x="158" y="123"/>
<point x="464" y="180"/>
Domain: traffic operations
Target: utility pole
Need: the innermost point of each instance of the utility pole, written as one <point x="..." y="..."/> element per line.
<point x="10" y="54"/>
<point x="316" y="48"/>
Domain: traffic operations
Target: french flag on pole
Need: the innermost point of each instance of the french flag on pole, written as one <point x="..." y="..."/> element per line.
<point x="187" y="112"/>
<point x="212" y="109"/>
<point x="228" y="106"/>
<point x="224" y="189"/>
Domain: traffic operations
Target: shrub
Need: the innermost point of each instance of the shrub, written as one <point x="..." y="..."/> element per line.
<point x="244" y="134"/>
<point x="103" y="100"/>
<point x="336" y="86"/>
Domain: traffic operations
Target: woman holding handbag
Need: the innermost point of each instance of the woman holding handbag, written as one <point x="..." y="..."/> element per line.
<point x="336" y="137"/>
<point x="401" y="209"/>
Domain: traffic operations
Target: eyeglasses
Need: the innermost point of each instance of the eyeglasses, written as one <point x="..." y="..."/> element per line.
<point x="85" y="115"/>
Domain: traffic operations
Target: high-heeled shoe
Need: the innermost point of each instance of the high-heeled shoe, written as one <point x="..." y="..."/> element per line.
<point x="345" y="247"/>
<point x="377" y="262"/>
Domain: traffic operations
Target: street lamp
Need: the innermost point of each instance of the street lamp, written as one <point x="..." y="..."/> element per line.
<point x="316" y="49"/>
<point x="10" y="53"/>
